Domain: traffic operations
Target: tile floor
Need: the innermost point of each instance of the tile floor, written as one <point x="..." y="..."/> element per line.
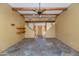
<point x="40" y="47"/>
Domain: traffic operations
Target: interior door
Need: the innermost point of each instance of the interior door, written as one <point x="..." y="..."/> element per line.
<point x="34" y="28"/>
<point x="39" y="30"/>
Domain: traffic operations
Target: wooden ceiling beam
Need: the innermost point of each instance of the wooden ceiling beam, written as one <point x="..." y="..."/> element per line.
<point x="39" y="21"/>
<point x="30" y="9"/>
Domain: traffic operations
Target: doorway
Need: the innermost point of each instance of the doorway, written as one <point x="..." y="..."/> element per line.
<point x="39" y="30"/>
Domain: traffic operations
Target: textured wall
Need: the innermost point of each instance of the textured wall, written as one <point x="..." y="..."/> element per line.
<point x="8" y="35"/>
<point x="50" y="33"/>
<point x="67" y="26"/>
<point x="29" y="32"/>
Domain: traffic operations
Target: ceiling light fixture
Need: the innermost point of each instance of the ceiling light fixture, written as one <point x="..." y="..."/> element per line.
<point x="39" y="11"/>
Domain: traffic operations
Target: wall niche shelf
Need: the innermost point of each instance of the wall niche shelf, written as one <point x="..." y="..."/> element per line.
<point x="21" y="32"/>
<point x="20" y="29"/>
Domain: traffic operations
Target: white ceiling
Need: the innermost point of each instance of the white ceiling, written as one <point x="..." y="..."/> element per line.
<point x="36" y="5"/>
<point x="46" y="12"/>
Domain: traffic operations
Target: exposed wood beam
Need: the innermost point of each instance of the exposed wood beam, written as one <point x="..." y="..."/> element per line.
<point x="39" y="21"/>
<point x="38" y="14"/>
<point x="17" y="12"/>
<point x="62" y="12"/>
<point x="30" y="9"/>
